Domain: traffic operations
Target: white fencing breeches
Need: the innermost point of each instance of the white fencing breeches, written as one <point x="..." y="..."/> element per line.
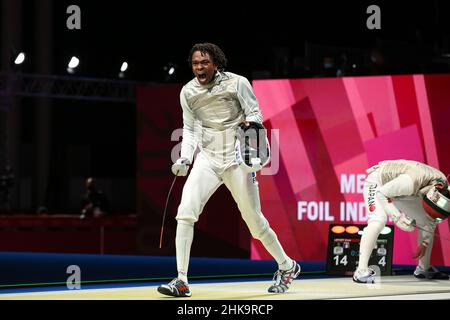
<point x="203" y="181"/>
<point x="410" y="205"/>
<point x="200" y="185"/>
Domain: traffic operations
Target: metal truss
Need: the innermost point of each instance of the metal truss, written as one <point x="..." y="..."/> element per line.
<point x="64" y="87"/>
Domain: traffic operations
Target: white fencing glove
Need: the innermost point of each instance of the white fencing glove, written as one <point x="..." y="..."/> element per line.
<point x="400" y="219"/>
<point x="180" y="167"/>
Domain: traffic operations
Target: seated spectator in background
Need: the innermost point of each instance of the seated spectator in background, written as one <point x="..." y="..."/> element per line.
<point x="94" y="203"/>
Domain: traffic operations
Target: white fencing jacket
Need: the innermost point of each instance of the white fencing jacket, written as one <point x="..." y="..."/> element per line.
<point x="211" y="115"/>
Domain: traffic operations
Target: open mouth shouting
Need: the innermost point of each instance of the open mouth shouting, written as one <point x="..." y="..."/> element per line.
<point x="203" y="78"/>
<point x="203" y="67"/>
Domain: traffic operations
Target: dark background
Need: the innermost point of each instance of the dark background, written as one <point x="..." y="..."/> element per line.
<point x="255" y="36"/>
<point x="279" y="39"/>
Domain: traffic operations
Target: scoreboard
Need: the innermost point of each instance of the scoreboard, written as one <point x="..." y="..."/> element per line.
<point x="343" y="249"/>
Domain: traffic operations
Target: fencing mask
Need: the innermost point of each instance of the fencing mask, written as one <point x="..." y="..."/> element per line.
<point x="252" y="147"/>
<point x="436" y="202"/>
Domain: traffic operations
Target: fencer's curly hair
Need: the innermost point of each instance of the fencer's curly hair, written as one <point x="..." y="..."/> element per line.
<point x="214" y="52"/>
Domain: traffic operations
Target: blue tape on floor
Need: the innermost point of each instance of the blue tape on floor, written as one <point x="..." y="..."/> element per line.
<point x="51" y="268"/>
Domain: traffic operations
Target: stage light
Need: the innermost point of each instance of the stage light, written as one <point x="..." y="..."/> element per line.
<point x="170" y="69"/>
<point x="20" y="58"/>
<point x="73" y="63"/>
<point x="124" y="66"/>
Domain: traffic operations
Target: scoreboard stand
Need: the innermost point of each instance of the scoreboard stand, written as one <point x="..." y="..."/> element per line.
<point x="343" y="249"/>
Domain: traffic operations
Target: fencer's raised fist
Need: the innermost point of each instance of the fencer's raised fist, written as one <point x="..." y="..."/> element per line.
<point x="180" y="167"/>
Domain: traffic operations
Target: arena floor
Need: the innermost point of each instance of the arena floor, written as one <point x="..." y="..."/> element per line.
<point x="403" y="287"/>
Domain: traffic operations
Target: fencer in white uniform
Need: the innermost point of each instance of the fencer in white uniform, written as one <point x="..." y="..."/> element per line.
<point x="214" y="104"/>
<point x="403" y="190"/>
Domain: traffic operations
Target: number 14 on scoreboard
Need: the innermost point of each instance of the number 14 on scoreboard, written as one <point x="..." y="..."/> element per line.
<point x="343" y="249"/>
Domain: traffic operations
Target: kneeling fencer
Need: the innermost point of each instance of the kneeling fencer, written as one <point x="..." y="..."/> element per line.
<point x="413" y="195"/>
<point x="224" y="105"/>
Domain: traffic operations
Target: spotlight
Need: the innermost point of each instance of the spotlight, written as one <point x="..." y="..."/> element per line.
<point x="123" y="68"/>
<point x="170" y="70"/>
<point x="20" y="58"/>
<point x="74" y="62"/>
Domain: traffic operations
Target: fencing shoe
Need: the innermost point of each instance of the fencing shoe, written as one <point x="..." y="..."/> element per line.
<point x="431" y="273"/>
<point x="284" y="278"/>
<point x="175" y="288"/>
<point x="364" y="276"/>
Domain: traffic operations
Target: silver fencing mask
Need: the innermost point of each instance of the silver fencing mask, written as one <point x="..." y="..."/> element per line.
<point x="436" y="202"/>
<point x="252" y="147"/>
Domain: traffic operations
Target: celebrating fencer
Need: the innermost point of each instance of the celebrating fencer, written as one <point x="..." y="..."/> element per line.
<point x="219" y="109"/>
<point x="414" y="195"/>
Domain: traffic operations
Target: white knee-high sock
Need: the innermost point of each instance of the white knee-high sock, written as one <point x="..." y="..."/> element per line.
<point x="183" y="242"/>
<point x="270" y="241"/>
<point x="367" y="244"/>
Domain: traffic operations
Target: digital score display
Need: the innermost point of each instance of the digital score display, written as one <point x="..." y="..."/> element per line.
<point x="343" y="249"/>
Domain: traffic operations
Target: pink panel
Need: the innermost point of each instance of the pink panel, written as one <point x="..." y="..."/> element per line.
<point x="353" y="166"/>
<point x="294" y="154"/>
<point x="399" y="144"/>
<point x="359" y="110"/>
<point x="427" y="125"/>
<point x="378" y="98"/>
<point x="254" y="253"/>
<point x="405" y="245"/>
<point x="337" y="127"/>
<point x="275" y="100"/>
